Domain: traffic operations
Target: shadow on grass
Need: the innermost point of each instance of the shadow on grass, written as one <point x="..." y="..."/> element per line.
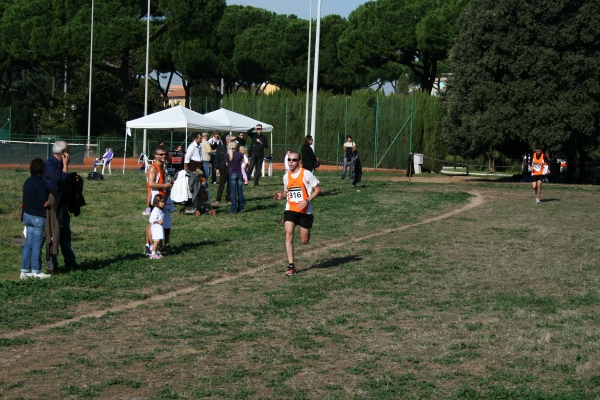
<point x="332" y="192"/>
<point x="548" y="200"/>
<point x="92" y="265"/>
<point x="334" y="262"/>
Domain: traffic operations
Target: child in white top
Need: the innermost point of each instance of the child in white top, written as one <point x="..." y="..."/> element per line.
<point x="157" y="220"/>
<point x="168" y="210"/>
<point x="244" y="152"/>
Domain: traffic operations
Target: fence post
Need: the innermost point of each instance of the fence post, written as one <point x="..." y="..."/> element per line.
<point x="376" y="135"/>
<point x="337" y="151"/>
<point x="412" y="106"/>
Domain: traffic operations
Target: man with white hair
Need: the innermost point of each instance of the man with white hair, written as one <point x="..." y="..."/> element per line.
<point x="56" y="176"/>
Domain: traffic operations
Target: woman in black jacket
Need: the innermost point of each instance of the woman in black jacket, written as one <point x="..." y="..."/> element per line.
<point x="309" y="160"/>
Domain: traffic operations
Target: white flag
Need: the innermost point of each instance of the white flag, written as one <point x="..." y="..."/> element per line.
<point x="128" y="132"/>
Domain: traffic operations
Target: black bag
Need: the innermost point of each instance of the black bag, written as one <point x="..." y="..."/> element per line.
<point x="95" y="176"/>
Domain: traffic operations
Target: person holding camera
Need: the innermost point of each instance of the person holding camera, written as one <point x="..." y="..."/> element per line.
<point x="257" y="151"/>
<point x="56" y="176"/>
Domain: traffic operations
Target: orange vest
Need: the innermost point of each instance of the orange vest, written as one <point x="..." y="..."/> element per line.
<point x="159" y="178"/>
<point x="537" y="164"/>
<point x="296" y="191"/>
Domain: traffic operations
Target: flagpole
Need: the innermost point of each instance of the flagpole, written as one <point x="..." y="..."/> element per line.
<point x="316" y="78"/>
<point x="146" y="83"/>
<point x="89" y="130"/>
<point x="308" y="68"/>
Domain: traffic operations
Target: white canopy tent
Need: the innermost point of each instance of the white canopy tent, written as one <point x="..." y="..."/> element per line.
<point x="241" y="123"/>
<point x="237" y="122"/>
<point x="176" y="118"/>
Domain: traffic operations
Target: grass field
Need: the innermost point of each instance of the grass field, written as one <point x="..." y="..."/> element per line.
<point x="458" y="290"/>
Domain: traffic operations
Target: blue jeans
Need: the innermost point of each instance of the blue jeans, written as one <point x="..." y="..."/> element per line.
<point x="207" y="166"/>
<point x="32" y="251"/>
<point x="348" y="164"/>
<point x="65" y="244"/>
<point x="236" y="183"/>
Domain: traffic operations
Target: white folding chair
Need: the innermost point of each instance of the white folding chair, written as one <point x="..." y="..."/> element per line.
<point x="104" y="162"/>
<point x="268" y="159"/>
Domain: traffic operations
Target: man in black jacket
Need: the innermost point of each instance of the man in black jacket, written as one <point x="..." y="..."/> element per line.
<point x="257" y="151"/>
<point x="221" y="164"/>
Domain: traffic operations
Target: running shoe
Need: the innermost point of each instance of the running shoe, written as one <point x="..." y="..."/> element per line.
<point x="290" y="271"/>
<point x="534" y="191"/>
<point x="147" y="251"/>
<point x="537" y="201"/>
<point x="156" y="256"/>
<point x="39" y="275"/>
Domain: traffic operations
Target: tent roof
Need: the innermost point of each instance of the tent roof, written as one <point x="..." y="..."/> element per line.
<point x="237" y="122"/>
<point x="177" y="118"/>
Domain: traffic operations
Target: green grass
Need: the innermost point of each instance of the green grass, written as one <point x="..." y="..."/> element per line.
<point x="497" y="302"/>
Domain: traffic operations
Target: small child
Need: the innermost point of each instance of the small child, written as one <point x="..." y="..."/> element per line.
<point x="203" y="205"/>
<point x="244" y="152"/>
<point x="157" y="220"/>
<point x="168" y="209"/>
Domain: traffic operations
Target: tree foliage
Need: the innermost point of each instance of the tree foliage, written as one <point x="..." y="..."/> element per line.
<point x="525" y="73"/>
<point x="386" y="35"/>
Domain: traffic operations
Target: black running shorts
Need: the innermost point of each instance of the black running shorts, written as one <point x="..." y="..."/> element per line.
<point x="302" y="219"/>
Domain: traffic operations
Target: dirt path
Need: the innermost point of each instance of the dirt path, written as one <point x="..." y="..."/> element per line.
<point x="475" y="201"/>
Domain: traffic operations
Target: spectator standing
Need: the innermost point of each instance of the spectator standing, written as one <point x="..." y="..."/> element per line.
<point x="235" y="160"/>
<point x="35" y="201"/>
<point x="56" y="176"/>
<point x="206" y="154"/>
<point x="168" y="209"/>
<point x="215" y="142"/>
<point x="257" y="151"/>
<point x="309" y="160"/>
<point x="241" y="140"/>
<point x="349" y="149"/>
<point x="223" y="173"/>
<point x="244" y="152"/>
<point x="193" y="156"/>
<point x="285" y="162"/>
<point x="300" y="189"/>
<point x="155" y="182"/>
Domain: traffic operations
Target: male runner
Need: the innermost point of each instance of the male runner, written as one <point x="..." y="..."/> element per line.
<point x="539" y="168"/>
<point x="300" y="188"/>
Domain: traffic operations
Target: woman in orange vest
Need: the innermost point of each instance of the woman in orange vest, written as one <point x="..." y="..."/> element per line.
<point x="539" y="168"/>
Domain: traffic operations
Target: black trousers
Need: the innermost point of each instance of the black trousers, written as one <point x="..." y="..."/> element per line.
<point x="256" y="163"/>
<point x="224" y="180"/>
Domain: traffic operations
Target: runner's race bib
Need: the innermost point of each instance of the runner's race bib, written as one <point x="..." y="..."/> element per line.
<point x="295" y="194"/>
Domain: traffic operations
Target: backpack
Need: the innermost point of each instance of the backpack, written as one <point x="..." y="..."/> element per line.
<point x="95" y="176"/>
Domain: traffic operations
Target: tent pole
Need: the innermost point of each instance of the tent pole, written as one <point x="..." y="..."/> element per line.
<point x="125" y="152"/>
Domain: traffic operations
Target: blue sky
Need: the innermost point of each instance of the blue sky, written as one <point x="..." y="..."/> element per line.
<point x="302" y="7"/>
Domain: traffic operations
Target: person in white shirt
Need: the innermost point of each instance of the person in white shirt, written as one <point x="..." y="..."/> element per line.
<point x="193" y="156"/>
<point x="349" y="148"/>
